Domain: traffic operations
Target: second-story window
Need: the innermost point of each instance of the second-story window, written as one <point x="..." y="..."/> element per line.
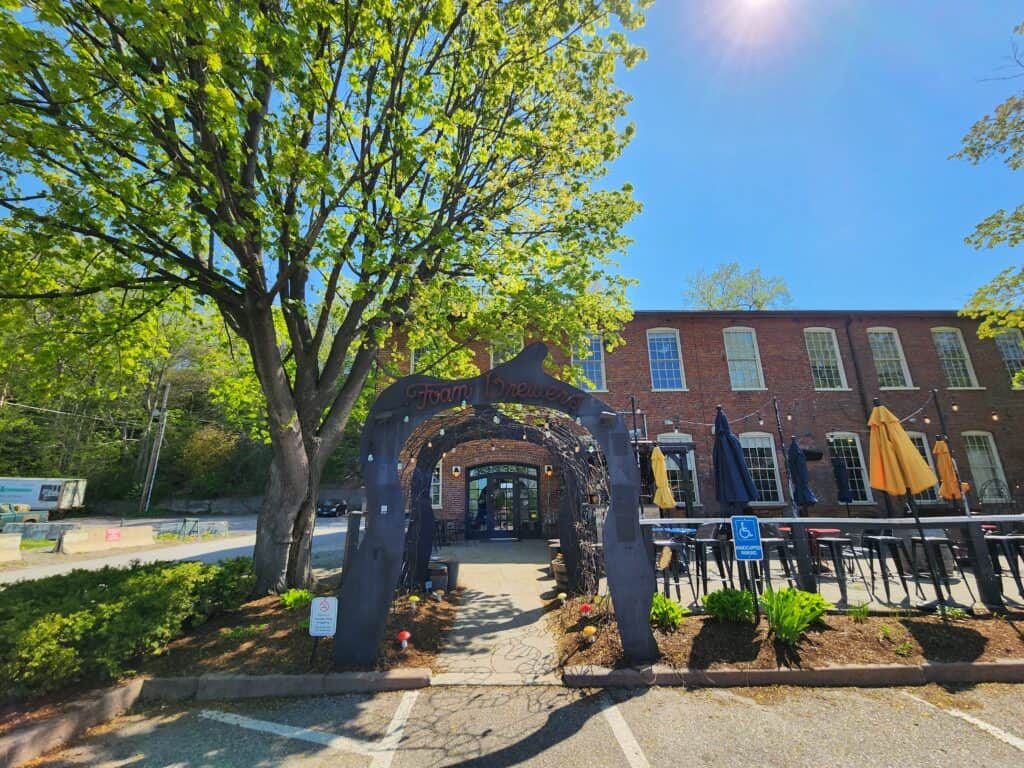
<point x="1011" y="346"/>
<point x="759" y="452"/>
<point x="823" y="355"/>
<point x="590" y="359"/>
<point x="890" y="362"/>
<point x="666" y="362"/>
<point x="743" y="358"/>
<point x="953" y="357"/>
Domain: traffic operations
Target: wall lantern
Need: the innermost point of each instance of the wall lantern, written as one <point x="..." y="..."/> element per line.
<point x="456" y="470"/>
<point x="548" y="470"/>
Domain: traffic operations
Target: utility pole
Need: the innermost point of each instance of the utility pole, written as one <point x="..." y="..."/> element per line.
<point x="154" y="456"/>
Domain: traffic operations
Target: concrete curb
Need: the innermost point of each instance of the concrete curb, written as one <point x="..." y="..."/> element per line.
<point x="28" y="743"/>
<point x="853" y="675"/>
<point x="226" y="687"/>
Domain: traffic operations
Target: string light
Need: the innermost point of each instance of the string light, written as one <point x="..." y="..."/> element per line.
<point x="789" y="417"/>
<point x="760" y="420"/>
<point x="954" y="406"/>
<point x="927" y="419"/>
<point x="995" y="416"/>
<point x="441" y="432"/>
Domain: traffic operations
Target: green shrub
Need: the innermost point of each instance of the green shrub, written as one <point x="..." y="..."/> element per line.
<point x="296" y="599"/>
<point x="91" y="626"/>
<point x="665" y="614"/>
<point x="859" y="613"/>
<point x="903" y="649"/>
<point x="791" y="611"/>
<point x="735" y="605"/>
<point x="953" y="614"/>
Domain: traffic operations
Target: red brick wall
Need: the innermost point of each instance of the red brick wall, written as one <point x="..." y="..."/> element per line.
<point x="788" y="377"/>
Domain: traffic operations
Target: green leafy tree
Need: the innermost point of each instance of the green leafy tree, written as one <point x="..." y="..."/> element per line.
<point x="727" y="287"/>
<point x="999" y="135"/>
<point x="322" y="173"/>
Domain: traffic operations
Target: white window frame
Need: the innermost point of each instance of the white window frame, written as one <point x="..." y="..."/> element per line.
<point x="831" y="332"/>
<point x="967" y="356"/>
<point x="775" y="463"/>
<point x="931" y="463"/>
<point x="870" y="501"/>
<point x="1000" y="474"/>
<point x="519" y="348"/>
<point x="679" y="360"/>
<point x="576" y="360"/>
<point x="439" y="472"/>
<point x="691" y="459"/>
<point x="757" y="358"/>
<point x="1019" y="336"/>
<point x="903" y="357"/>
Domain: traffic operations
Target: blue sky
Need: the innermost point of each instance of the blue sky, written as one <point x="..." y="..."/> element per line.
<point x="811" y="138"/>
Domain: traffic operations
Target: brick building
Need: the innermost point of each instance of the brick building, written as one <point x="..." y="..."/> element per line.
<point x="822" y="369"/>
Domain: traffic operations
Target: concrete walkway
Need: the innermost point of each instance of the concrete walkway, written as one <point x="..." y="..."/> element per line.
<point x="500" y="635"/>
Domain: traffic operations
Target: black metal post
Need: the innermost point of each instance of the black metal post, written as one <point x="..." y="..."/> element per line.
<point x="806" y="578"/>
<point x="785" y="462"/>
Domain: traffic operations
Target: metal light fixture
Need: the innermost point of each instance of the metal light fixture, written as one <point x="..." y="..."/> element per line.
<point x="995" y="416"/>
<point x="548" y="470"/>
<point x="456" y="470"/>
<point x="954" y="407"/>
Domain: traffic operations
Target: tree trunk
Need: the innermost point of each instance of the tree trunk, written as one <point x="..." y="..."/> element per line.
<point x="300" y="558"/>
<point x="287" y="490"/>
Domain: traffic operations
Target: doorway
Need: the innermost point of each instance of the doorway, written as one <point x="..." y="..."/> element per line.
<point x="503" y="502"/>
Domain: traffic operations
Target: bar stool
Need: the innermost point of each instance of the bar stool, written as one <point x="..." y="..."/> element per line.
<point x="936" y="542"/>
<point x="773" y="541"/>
<point x="704" y="540"/>
<point x="1011" y="545"/>
<point x="841" y="548"/>
<point x="879" y="544"/>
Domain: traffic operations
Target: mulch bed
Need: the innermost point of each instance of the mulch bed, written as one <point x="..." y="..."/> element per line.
<point x="264" y="637"/>
<point x="704" y="643"/>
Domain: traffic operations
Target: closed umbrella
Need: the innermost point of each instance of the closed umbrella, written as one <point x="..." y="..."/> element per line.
<point x="662" y="492"/>
<point x="734" y="487"/>
<point x="949" y="486"/>
<point x="842" y="475"/>
<point x="899" y="469"/>
<point x="797" y="461"/>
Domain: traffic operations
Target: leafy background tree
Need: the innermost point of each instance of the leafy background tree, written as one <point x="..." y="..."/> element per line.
<point x="999" y="135"/>
<point x="322" y="174"/>
<point x="728" y="287"/>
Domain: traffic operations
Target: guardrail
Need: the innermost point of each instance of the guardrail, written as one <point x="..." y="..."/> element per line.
<point x="989" y="584"/>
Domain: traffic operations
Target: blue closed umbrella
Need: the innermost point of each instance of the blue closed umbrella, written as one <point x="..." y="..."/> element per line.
<point x="842" y="480"/>
<point x="733" y="484"/>
<point x="797" y="461"/>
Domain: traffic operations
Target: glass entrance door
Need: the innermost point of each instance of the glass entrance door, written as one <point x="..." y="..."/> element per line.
<point x="503" y="502"/>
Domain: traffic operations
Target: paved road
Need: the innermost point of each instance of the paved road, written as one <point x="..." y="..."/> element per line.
<point x="328" y="543"/>
<point x="548" y="726"/>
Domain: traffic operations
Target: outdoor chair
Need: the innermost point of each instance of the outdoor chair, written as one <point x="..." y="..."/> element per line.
<point x="1011" y="546"/>
<point x="933" y="545"/>
<point x="707" y="539"/>
<point x="881" y="544"/>
<point x="772" y="541"/>
<point x="842" y="553"/>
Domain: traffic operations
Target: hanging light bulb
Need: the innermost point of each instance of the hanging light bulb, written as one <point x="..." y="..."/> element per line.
<point x="430" y="443"/>
<point x="579" y="420"/>
<point x="412" y="460"/>
<point x="927" y="419"/>
<point x="369" y="457"/>
<point x="789" y="417"/>
<point x="590" y="448"/>
<point x="995" y="416"/>
<point x="441" y="432"/>
<point x="524" y="434"/>
<point x="463" y="403"/>
<point x="496" y="419"/>
<point x="494" y="447"/>
<point x="576" y="449"/>
<point x="406" y="418"/>
<point x="760" y="420"/>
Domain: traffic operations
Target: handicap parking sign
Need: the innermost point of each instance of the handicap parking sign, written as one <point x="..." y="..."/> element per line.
<point x="746" y="537"/>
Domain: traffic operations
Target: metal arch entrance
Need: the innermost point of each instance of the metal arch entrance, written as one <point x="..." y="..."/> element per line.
<point x="375" y="566"/>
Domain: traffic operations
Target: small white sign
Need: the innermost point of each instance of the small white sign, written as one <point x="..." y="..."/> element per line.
<point x="383" y="509"/>
<point x="323" y="616"/>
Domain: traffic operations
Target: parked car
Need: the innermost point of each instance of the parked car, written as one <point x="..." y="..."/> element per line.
<point x="332" y="508"/>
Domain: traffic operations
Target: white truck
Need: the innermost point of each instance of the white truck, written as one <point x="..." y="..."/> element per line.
<point x="36" y="499"/>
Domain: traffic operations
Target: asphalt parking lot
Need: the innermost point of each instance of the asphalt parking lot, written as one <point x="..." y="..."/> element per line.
<point x="552" y="726"/>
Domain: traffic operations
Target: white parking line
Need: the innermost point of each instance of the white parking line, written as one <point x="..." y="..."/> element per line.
<point x="998" y="733"/>
<point x="340" y="743"/>
<point x="623" y="735"/>
<point x="384" y="751"/>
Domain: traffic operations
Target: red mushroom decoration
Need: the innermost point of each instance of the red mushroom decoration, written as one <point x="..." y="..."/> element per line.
<point x="403" y="639"/>
<point x="585" y="609"/>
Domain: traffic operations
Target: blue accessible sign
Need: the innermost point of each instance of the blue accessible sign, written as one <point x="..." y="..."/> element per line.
<point x="746" y="537"/>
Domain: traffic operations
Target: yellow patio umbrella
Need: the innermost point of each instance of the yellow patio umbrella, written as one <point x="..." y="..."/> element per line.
<point x="898" y="469"/>
<point x="896" y="465"/>
<point x="949" y="488"/>
<point x="663" y="493"/>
